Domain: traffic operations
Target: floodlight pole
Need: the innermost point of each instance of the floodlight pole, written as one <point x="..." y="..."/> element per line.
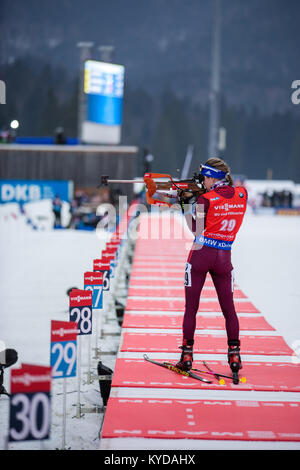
<point x="106" y="53"/>
<point x="214" y="95"/>
<point x="85" y="54"/>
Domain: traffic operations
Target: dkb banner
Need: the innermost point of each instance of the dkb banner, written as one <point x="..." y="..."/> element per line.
<point x="22" y="191"/>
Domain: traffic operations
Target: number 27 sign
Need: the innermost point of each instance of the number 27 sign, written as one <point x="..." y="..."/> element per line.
<point x="93" y="281"/>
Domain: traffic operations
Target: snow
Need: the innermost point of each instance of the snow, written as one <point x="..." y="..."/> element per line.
<point x="260" y="186"/>
<point x="38" y="266"/>
<point x="256" y="188"/>
<point x="266" y="259"/>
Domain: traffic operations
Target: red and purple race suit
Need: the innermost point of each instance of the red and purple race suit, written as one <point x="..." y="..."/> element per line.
<point x="222" y="210"/>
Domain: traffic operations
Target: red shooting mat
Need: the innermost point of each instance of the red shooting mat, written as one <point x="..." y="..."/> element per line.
<point x="260" y="376"/>
<point x="145" y="292"/>
<point x="153" y="253"/>
<point x="202" y="419"/>
<point x="158" y="269"/>
<point x="161" y="244"/>
<point x="179" y="305"/>
<point x="156" y="273"/>
<point x="172" y="263"/>
<point x="169" y="251"/>
<point x="163" y="248"/>
<point x="154" y="258"/>
<point x="135" y="280"/>
<point x="210" y="344"/>
<point x="138" y="320"/>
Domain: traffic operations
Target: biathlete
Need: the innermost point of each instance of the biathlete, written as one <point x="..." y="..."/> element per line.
<point x="219" y="212"/>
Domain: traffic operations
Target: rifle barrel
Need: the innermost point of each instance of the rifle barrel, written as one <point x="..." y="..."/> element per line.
<point x="125" y="181"/>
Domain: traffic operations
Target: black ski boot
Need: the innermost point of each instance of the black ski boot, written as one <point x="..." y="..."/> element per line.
<point x="8" y="357"/>
<point x="2" y="388"/>
<point x="234" y="359"/>
<point x="186" y="359"/>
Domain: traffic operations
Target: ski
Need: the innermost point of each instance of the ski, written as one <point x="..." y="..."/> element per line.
<point x="172" y="367"/>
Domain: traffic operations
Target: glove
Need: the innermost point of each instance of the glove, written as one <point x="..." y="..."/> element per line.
<point x="185" y="197"/>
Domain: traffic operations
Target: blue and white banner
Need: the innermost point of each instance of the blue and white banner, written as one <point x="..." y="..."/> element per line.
<point x="23" y="191"/>
<point x="104" y="109"/>
<point x="103" y="86"/>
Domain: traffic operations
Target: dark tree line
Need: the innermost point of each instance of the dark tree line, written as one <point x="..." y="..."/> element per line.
<point x="43" y="98"/>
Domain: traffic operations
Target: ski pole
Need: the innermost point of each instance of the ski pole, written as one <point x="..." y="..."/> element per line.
<point x="222" y="382"/>
<point x="215" y="374"/>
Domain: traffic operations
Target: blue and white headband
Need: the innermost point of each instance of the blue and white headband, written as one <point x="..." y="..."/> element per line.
<point x="211" y="172"/>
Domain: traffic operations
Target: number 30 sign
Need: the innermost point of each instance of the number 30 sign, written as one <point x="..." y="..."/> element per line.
<point x="30" y="403"/>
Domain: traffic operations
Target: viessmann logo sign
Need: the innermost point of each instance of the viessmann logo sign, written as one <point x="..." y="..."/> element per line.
<point x="227" y="206"/>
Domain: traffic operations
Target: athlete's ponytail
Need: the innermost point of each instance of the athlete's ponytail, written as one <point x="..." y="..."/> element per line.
<point x="219" y="164"/>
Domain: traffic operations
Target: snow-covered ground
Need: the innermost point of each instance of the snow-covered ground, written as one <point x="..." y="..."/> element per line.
<point x="38" y="266"/>
<point x="266" y="258"/>
<point x="37" y="269"/>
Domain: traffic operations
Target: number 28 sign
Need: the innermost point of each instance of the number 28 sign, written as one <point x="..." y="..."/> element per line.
<point x="80" y="310"/>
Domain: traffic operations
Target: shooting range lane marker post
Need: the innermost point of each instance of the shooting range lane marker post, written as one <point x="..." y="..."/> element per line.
<point x="63" y="342"/>
<point x="83" y="299"/>
<point x="109" y="257"/>
<point x="104" y="267"/>
<point x="89" y="361"/>
<point x="93" y="283"/>
<point x="64" y="425"/>
<point x="81" y="311"/>
<point x="96" y="330"/>
<point x="78" y="405"/>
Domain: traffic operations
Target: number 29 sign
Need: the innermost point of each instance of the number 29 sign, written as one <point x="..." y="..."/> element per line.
<point x="63" y="349"/>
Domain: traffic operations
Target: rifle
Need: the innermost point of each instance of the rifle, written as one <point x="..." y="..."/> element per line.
<point x="189" y="188"/>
